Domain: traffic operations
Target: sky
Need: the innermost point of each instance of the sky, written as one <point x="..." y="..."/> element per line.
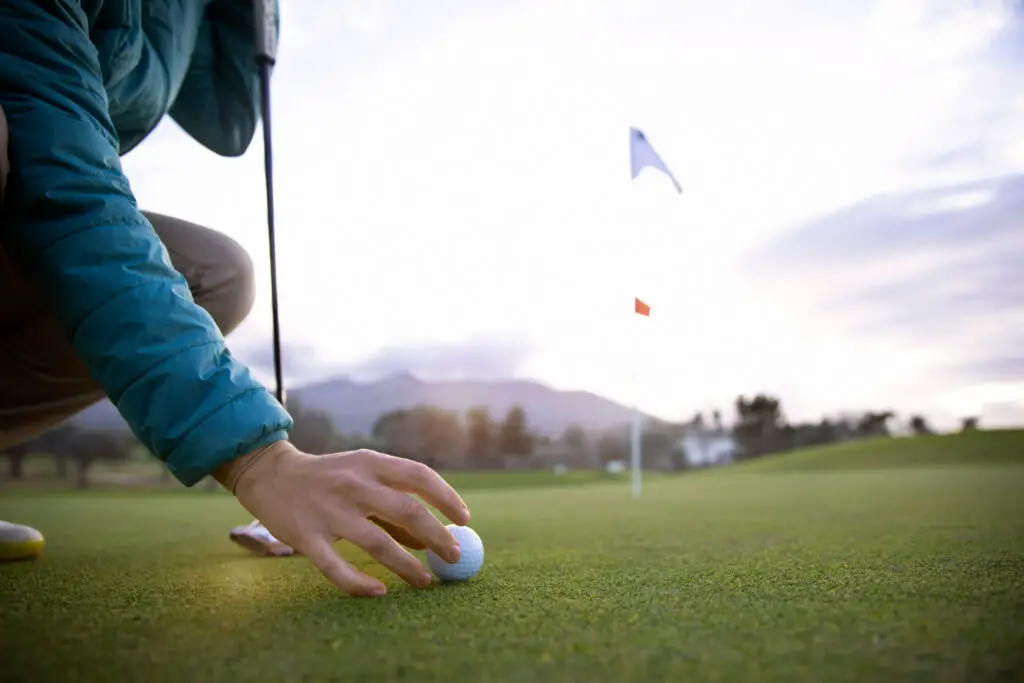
<point x="453" y="199"/>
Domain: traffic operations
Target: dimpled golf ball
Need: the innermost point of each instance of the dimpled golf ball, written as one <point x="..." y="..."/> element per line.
<point x="469" y="563"/>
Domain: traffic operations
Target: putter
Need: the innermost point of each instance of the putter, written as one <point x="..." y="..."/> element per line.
<point x="266" y="55"/>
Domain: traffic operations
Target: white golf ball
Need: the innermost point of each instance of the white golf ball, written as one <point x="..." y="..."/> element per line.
<point x="470" y="561"/>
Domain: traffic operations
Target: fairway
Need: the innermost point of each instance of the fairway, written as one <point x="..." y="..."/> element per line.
<point x="748" y="573"/>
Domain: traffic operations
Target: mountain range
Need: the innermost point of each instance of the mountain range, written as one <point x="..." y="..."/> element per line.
<point x="355" y="406"/>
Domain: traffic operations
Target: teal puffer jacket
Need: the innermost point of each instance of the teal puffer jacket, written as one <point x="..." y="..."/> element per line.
<point x="72" y="222"/>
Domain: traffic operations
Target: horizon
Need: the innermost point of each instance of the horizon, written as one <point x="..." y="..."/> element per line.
<point x="727" y="411"/>
<point x="454" y="184"/>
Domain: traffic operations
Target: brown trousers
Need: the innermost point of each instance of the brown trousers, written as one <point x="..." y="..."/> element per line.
<point x="42" y="380"/>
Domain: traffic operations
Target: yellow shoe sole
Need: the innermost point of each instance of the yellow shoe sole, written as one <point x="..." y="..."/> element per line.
<point x="21" y="550"/>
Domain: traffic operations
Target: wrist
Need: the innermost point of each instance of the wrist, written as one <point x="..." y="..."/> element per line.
<point x="232" y="472"/>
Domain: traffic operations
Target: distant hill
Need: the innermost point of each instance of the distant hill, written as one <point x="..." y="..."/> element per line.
<point x="355" y="406"/>
<point x="982" y="447"/>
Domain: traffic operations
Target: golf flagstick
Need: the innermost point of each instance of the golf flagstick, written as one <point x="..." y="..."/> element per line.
<point x="635" y="443"/>
<point x="641" y="155"/>
<point x="265" y="16"/>
<point x="636" y="427"/>
<point x="635" y="455"/>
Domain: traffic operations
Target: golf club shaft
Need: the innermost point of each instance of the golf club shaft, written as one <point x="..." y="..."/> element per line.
<point x="266" y="52"/>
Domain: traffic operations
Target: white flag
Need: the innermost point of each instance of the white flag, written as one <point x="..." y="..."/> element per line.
<point x="641" y="154"/>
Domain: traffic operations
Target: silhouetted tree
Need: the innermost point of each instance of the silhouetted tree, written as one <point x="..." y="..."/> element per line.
<point x="919" y="425"/>
<point x="440" y="434"/>
<point x="51" y="442"/>
<point x="613" y="445"/>
<point x="397" y="431"/>
<point x="514" y="437"/>
<point x="425" y="433"/>
<point x="480" y="435"/>
<point x="660" y="445"/>
<point x="16" y="456"/>
<point x="814" y="434"/>
<point x="969" y="424"/>
<point x="875" y="424"/>
<point x="759" y="426"/>
<point x="312" y="431"/>
<point x="574" y="441"/>
<point x="86" y="447"/>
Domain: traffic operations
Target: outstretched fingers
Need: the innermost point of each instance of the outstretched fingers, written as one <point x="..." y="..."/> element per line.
<point x="320" y="551"/>
<point x="380" y="546"/>
<point x="408" y="513"/>
<point x="410" y="476"/>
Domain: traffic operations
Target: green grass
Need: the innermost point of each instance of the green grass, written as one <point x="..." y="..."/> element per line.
<point x="479" y="481"/>
<point x="133" y="476"/>
<point x="990" y="447"/>
<point x="755" y="573"/>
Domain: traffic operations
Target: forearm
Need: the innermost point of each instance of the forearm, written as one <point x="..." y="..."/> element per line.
<point x="72" y="223"/>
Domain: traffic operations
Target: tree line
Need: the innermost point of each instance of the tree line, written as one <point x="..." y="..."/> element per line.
<point x="73" y="450"/>
<point x="446" y="439"/>
<point x="475" y="439"/>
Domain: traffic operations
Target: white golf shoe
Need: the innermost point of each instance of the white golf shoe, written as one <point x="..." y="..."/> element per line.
<point x="255" y="538"/>
<point x="19" y="542"/>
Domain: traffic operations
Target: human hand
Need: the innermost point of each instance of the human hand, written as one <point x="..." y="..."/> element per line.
<point x="309" y="502"/>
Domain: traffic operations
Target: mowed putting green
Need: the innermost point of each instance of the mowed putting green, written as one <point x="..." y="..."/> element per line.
<point x="894" y="566"/>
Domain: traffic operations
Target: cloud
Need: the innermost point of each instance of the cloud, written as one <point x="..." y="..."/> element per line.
<point x="298" y="361"/>
<point x="992" y="116"/>
<point x="979" y="214"/>
<point x="366" y="16"/>
<point x="478" y="358"/>
<point x="968" y="56"/>
<point x="967" y="294"/>
<point x="937" y="270"/>
<point x="474" y="359"/>
<point x="995" y="368"/>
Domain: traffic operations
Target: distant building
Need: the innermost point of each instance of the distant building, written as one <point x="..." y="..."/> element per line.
<point x="615" y="466"/>
<point x="707" y="447"/>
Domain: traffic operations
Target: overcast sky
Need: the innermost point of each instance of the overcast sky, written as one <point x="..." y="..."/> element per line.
<point x="454" y="199"/>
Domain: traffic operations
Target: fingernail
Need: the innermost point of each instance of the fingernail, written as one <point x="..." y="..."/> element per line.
<point x="378" y="591"/>
<point x="425" y="579"/>
<point x="454" y="553"/>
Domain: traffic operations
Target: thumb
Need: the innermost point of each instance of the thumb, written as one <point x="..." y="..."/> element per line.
<point x="324" y="557"/>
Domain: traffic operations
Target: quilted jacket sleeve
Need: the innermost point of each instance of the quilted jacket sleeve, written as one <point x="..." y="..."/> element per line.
<point x="72" y="222"/>
<point x="218" y="103"/>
